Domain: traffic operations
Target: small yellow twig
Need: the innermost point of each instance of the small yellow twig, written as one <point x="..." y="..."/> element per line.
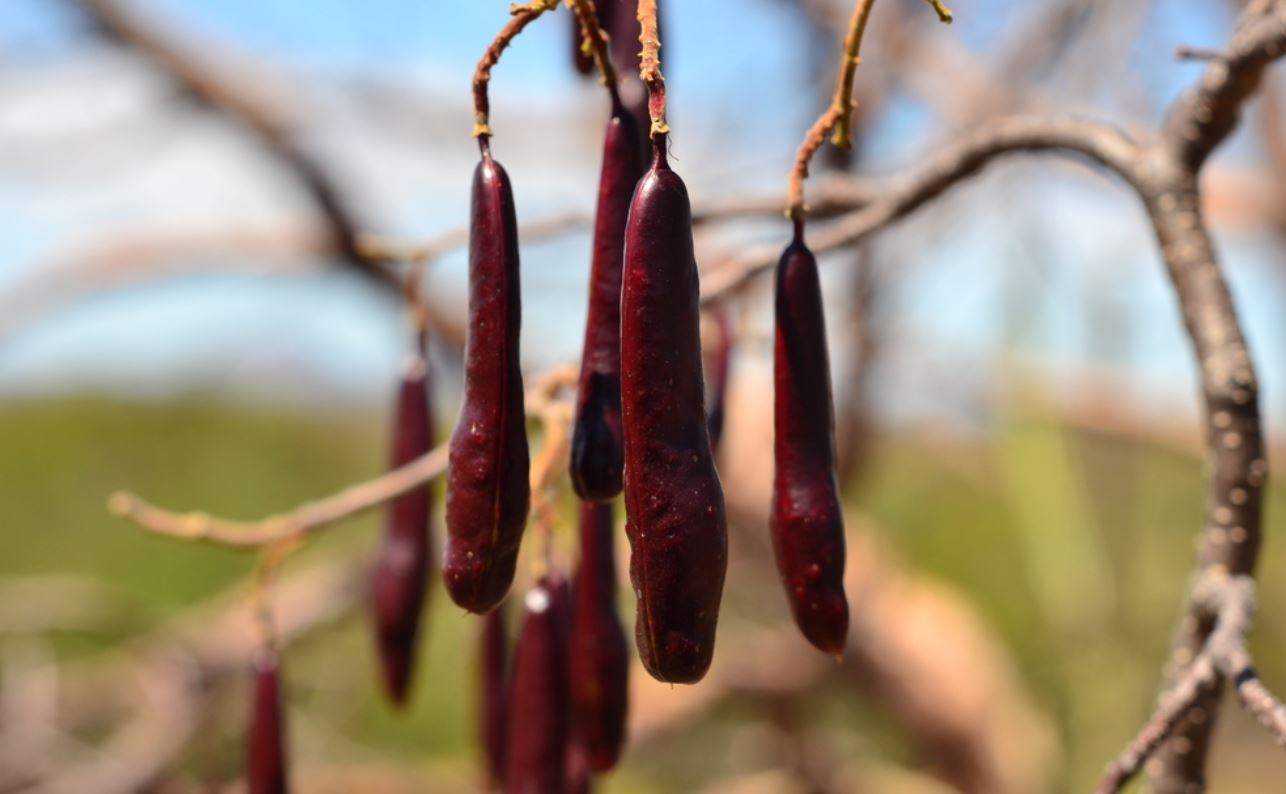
<point x="313" y="516"/>
<point x="522" y="16"/>
<point x="650" y="66"/>
<point x="839" y="116"/>
<point x="594" y="43"/>
<point x="303" y="520"/>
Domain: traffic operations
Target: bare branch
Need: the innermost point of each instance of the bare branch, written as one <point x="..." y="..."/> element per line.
<point x="1204" y="116"/>
<point x="302" y="520"/>
<point x="951" y="165"/>
<point x="312" y="516"/>
<point x="242" y="107"/>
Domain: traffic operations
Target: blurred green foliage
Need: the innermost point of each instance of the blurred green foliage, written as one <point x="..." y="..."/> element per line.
<point x="1075" y="548"/>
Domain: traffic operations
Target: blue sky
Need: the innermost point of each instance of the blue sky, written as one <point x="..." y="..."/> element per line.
<point x="740" y="97"/>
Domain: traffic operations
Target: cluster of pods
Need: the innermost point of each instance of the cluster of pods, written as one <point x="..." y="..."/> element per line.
<point x="566" y="684"/>
<point x="640" y="429"/>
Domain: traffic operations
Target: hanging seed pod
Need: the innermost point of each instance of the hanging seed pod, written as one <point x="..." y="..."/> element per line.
<point x="493" y="695"/>
<point x="720" y="367"/>
<point x="598" y="449"/>
<point x="536" y="745"/>
<point x="266" y="760"/>
<point x="487" y="489"/>
<point x="674" y="503"/>
<point x="599" y="655"/>
<point x="807" y="521"/>
<point x="399" y="580"/>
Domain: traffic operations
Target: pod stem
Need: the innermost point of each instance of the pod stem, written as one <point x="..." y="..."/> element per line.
<point x="417" y="309"/>
<point x="521" y="17"/>
<point x="650" y="67"/>
<point x="544" y="475"/>
<point x="270" y="560"/>
<point x="838" y="118"/>
<point x="549" y="466"/>
<point x="594" y="42"/>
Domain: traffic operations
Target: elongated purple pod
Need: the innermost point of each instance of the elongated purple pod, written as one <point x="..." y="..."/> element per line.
<point x="720" y="366"/>
<point x="807" y="519"/>
<point x="675" y="516"/>
<point x="598" y="652"/>
<point x="267" y="767"/>
<point x="539" y="729"/>
<point x="487" y="490"/>
<point x="598" y="446"/>
<point x="493" y="695"/>
<point x="399" y="581"/>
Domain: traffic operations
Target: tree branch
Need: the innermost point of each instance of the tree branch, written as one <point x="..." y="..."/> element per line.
<point x="242" y="107"/>
<point x="951" y="165"/>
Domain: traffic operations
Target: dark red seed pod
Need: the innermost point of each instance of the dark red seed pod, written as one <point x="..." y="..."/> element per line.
<point x="487" y="490"/>
<point x="598" y="449"/>
<point x="673" y="500"/>
<point x="720" y="370"/>
<point x="493" y="695"/>
<point x="599" y="655"/>
<point x="400" y="577"/>
<point x="536" y="745"/>
<point x="266" y="758"/>
<point x="807" y="521"/>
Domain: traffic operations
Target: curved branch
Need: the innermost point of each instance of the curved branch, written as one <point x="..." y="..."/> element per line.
<point x="312" y="516"/>
<point x="1206" y="114"/>
<point x="952" y="164"/>
<point x="299" y="521"/>
<point x="257" y="117"/>
<point x="1231" y="536"/>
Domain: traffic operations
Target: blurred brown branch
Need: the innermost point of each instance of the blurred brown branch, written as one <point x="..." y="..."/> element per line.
<point x="163" y="686"/>
<point x="240" y="105"/>
<point x="313" y="516"/>
<point x="1229" y="602"/>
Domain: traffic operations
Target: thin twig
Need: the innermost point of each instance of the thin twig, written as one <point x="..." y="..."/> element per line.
<point x="522" y="16"/>
<point x="595" y="43"/>
<point x="950" y="166"/>
<point x="650" y="67"/>
<point x="311" y="516"/>
<point x="1231" y="601"/>
<point x="239" y="104"/>
<point x="302" y="520"/>
<point x="839" y="116"/>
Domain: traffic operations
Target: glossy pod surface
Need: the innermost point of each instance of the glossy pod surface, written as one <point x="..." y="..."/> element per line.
<point x="266" y="763"/>
<point x="673" y="499"/>
<point x="598" y="450"/>
<point x="493" y="695"/>
<point x="487" y="490"/>
<point x="400" y="577"/>
<point x="539" y="729"/>
<point x="598" y="652"/>
<point x="806" y="521"/>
